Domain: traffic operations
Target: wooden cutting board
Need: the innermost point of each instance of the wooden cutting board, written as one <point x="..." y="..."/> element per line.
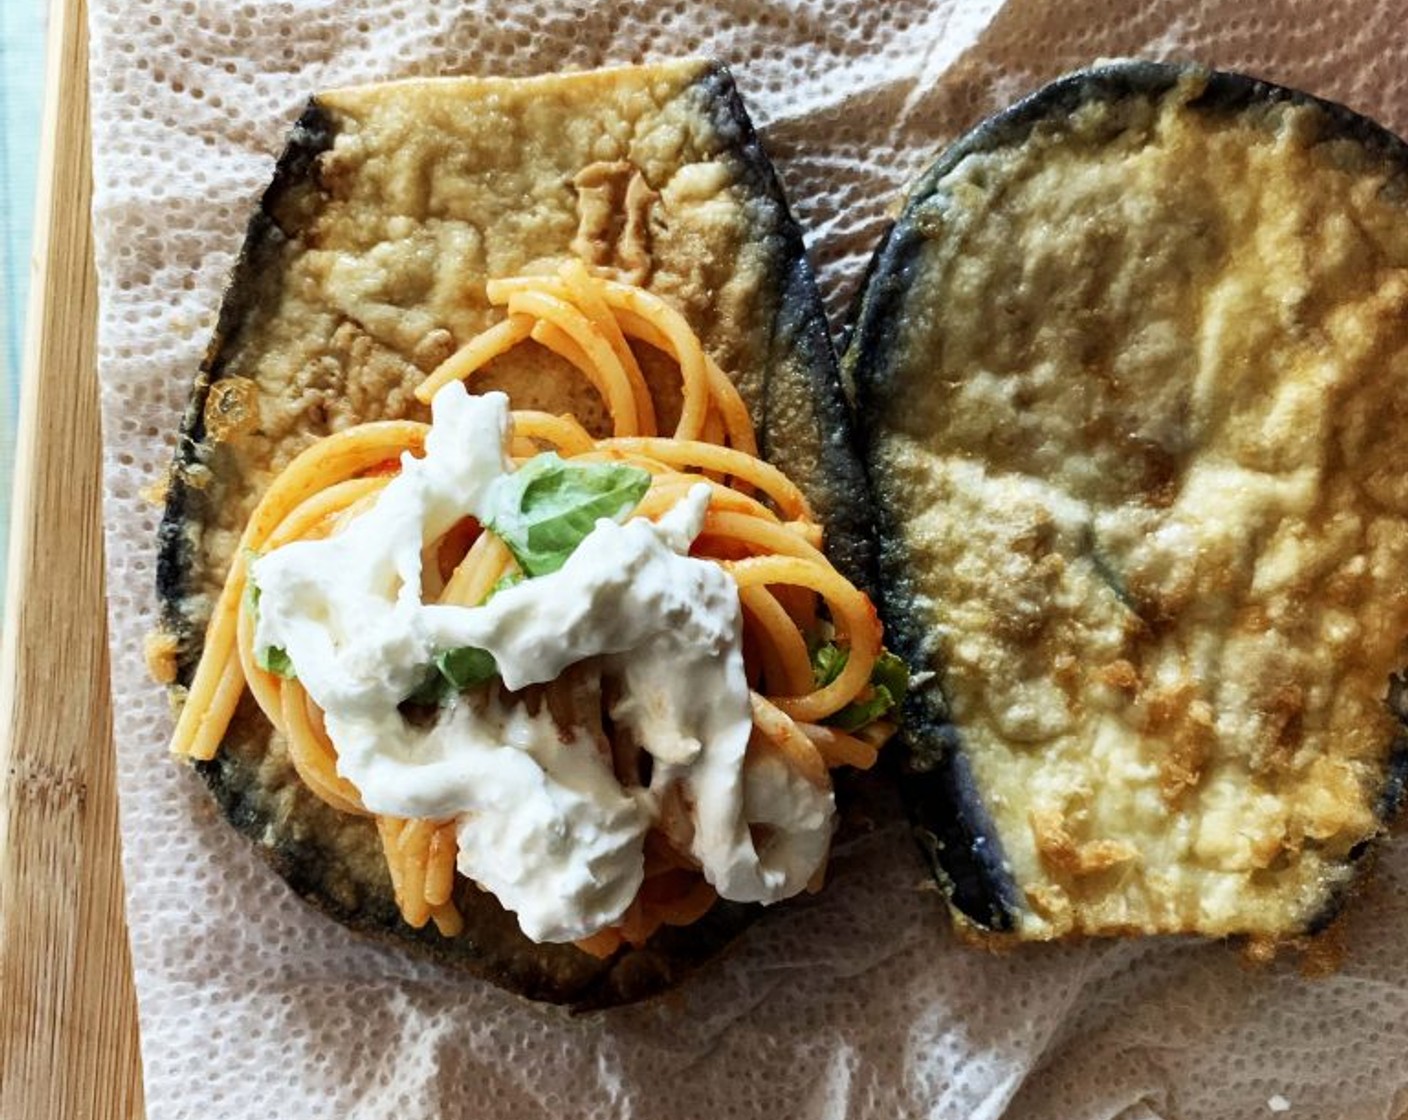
<point x="68" y="1024"/>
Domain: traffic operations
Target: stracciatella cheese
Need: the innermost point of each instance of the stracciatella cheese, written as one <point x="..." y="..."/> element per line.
<point x="543" y="822"/>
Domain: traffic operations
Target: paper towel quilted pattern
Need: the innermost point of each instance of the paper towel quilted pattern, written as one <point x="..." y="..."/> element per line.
<point x="857" y="1003"/>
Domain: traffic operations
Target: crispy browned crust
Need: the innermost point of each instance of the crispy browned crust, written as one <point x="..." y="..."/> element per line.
<point x="947" y="810"/>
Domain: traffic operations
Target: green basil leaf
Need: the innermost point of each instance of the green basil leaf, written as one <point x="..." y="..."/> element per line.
<point x="546" y="508"/>
<point x="503" y="583"/>
<point x="889" y="680"/>
<point x="466" y="666"/>
<point x="892" y="674"/>
<point x="274" y="659"/>
<point x="828" y="660"/>
<point x="858" y="713"/>
<point x="452" y="672"/>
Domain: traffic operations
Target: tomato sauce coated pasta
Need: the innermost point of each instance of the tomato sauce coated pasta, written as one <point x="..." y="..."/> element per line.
<point x="759" y="528"/>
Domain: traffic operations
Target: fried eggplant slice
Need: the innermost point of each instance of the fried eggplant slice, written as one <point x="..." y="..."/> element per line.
<point x="1130" y="374"/>
<point x="365" y="265"/>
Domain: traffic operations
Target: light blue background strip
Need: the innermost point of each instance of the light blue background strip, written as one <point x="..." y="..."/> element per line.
<point x="21" y="104"/>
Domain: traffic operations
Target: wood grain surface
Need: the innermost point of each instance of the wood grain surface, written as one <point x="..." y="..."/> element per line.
<point x="68" y="1026"/>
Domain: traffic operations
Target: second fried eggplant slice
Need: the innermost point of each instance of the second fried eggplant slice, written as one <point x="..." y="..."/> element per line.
<point x="365" y="265"/>
<point x="1130" y="373"/>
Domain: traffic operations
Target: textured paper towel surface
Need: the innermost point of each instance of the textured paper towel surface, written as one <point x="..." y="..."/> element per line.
<point x="856" y="1003"/>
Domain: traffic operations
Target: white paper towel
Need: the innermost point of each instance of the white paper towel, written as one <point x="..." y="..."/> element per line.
<point x="856" y="1003"/>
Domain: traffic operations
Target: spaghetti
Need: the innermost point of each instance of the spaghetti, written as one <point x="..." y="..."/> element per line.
<point x="759" y="527"/>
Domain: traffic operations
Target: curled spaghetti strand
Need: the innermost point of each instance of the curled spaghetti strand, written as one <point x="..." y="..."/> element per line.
<point x="759" y="527"/>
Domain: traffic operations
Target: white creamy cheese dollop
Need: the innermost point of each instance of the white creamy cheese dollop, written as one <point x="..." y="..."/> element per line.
<point x="543" y="823"/>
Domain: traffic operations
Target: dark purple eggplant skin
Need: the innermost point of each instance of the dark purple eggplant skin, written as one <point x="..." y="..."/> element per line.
<point x="946" y="809"/>
<point x="813" y="443"/>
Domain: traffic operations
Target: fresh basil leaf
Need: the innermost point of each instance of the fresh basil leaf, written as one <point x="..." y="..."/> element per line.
<point x="858" y="713"/>
<point x="274" y="659"/>
<point x="452" y="672"/>
<point x="503" y="583"/>
<point x="892" y="674"/>
<point x="466" y="666"/>
<point x="546" y="508"/>
<point x="889" y="680"/>
<point x="828" y="660"/>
